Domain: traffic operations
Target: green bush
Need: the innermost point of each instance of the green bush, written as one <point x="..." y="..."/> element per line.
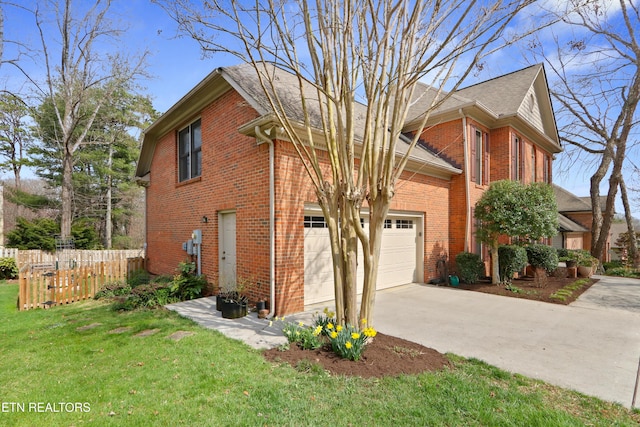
<point x="470" y="267"/>
<point x="611" y="265"/>
<point x="563" y="252"/>
<point x="186" y="285"/>
<point x="623" y="272"/>
<point x="112" y="290"/>
<point x="511" y="258"/>
<point x="137" y="278"/>
<point x="8" y="268"/>
<point x="542" y="256"/>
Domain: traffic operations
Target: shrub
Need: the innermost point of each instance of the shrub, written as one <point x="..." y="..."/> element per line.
<point x="112" y="290"/>
<point x="542" y="256"/>
<point x="152" y="295"/>
<point x="562" y="252"/>
<point x="186" y="285"/>
<point x="8" y="268"/>
<point x="623" y="272"/>
<point x="137" y="278"/>
<point x="470" y="267"/>
<point x="611" y="265"/>
<point x="511" y="258"/>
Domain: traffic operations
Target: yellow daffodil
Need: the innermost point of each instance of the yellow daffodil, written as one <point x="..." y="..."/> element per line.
<point x="317" y="330"/>
<point x="301" y="323"/>
<point x="355" y="335"/>
<point x="338" y="328"/>
<point x="370" y="332"/>
<point x="348" y="345"/>
<point x="333" y="335"/>
<point x="363" y="321"/>
<point x="329" y="325"/>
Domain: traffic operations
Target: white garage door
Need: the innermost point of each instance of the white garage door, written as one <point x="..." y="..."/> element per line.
<point x="398" y="256"/>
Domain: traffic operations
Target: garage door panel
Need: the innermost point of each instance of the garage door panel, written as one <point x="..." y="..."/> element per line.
<point x="397" y="265"/>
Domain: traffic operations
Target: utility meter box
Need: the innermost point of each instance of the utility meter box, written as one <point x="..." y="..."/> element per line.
<point x="188" y="246"/>
<point x="196" y="236"/>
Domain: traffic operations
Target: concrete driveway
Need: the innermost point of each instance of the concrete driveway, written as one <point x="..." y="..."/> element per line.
<point x="592" y="346"/>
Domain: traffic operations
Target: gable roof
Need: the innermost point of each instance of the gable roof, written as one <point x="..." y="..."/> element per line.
<point x="569" y="202"/>
<point x="244" y="80"/>
<point x="567" y="225"/>
<point x="520" y="99"/>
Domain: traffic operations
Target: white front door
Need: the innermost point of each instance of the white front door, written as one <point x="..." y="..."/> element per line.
<point x="227" y="250"/>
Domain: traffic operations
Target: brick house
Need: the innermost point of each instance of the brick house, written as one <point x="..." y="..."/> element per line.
<point x="574" y="218"/>
<point x="206" y="164"/>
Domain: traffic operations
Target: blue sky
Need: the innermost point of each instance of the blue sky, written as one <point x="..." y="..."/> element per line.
<point x="176" y="65"/>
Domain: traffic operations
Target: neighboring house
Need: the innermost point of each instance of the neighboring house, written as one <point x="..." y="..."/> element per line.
<point x="575" y="218"/>
<point x="206" y="165"/>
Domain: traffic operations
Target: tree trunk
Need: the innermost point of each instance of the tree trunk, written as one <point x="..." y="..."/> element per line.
<point x="66" y="196"/>
<point x="633" y="243"/>
<point x="495" y="267"/>
<point x="594" y="191"/>
<point x="378" y="214"/>
<point x="108" y="223"/>
<point x="598" y="249"/>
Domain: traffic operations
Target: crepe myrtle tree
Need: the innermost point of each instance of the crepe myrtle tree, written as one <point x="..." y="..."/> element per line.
<point x="513" y="210"/>
<point x="356" y="65"/>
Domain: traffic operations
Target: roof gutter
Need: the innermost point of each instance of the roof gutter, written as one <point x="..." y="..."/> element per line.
<point x="263" y="137"/>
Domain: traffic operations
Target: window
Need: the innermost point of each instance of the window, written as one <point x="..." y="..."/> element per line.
<point x="387" y="223"/>
<point x="480" y="158"/>
<point x="533" y="164"/>
<point x="546" y="170"/>
<point x="516" y="159"/>
<point x="190" y="152"/>
<point x="315" y="222"/>
<point x="404" y="223"/>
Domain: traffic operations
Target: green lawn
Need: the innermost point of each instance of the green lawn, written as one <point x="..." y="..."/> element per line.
<point x="209" y="380"/>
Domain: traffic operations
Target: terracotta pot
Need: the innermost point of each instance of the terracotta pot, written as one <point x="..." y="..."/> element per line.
<point x="585" y="271"/>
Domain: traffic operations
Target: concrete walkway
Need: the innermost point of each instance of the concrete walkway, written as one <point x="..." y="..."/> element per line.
<point x="592" y="346"/>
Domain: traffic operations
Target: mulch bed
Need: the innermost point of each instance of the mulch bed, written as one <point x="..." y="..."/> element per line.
<point x="530" y="290"/>
<point x="384" y="356"/>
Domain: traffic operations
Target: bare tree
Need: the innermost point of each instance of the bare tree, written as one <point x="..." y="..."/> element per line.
<point x="84" y="56"/>
<point x="597" y="75"/>
<point x="356" y="65"/>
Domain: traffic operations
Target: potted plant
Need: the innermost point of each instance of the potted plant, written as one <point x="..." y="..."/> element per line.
<point x="587" y="264"/>
<point x="234" y="300"/>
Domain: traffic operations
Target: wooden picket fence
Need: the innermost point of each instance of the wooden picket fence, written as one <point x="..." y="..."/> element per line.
<point x="43" y="286"/>
<point x="67" y="258"/>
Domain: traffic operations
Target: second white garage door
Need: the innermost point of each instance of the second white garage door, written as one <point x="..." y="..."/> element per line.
<point x="399" y="255"/>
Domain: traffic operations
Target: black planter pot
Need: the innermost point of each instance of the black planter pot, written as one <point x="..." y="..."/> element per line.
<point x="572" y="263"/>
<point x="233" y="309"/>
<point x="219" y="300"/>
<point x="261" y="305"/>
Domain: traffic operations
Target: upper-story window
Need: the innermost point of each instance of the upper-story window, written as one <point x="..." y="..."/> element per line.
<point x="516" y="159"/>
<point x="480" y="157"/>
<point x="546" y="169"/>
<point x="190" y="151"/>
<point x="534" y="175"/>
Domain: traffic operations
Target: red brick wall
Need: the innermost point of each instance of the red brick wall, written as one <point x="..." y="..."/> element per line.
<point x="417" y="193"/>
<point x="235" y="177"/>
<point x="448" y="139"/>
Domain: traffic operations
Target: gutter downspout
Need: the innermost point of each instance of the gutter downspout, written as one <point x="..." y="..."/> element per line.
<point x="264" y="137"/>
<point x="467" y="222"/>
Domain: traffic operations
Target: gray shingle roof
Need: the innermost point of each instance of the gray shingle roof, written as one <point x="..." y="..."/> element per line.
<point x="568" y="202"/>
<point x="244" y="79"/>
<point x="565" y="224"/>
